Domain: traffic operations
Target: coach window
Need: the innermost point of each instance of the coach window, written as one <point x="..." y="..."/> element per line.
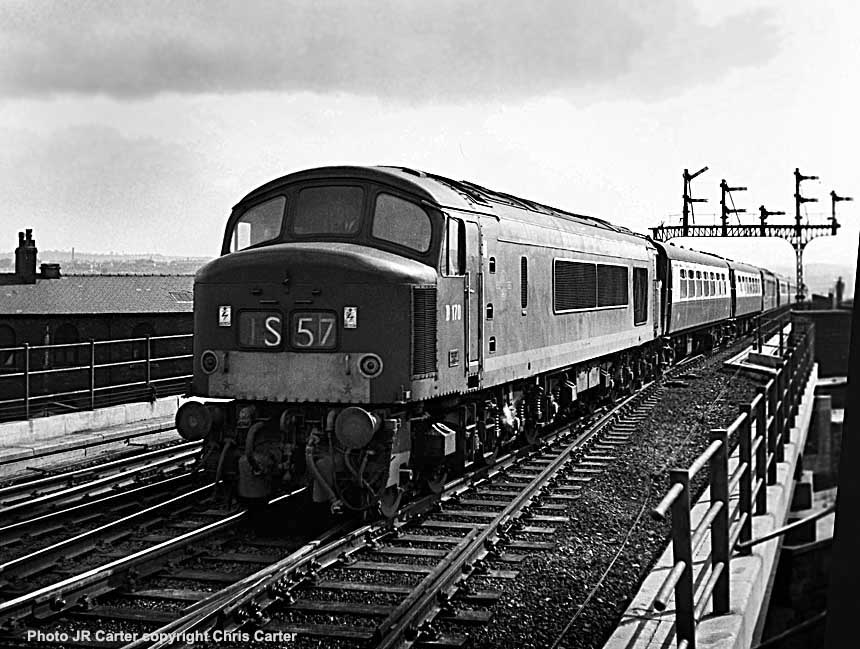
<point x="699" y="283"/>
<point x="259" y="224"/>
<point x="492" y="265"/>
<point x="683" y="283"/>
<point x="707" y="283"/>
<point x="490" y="311"/>
<point x="401" y="222"/>
<point x="454" y="256"/>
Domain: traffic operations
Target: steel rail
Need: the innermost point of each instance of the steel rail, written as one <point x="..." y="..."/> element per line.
<point x="70" y="512"/>
<point x="114" y="479"/>
<point x="38" y="559"/>
<point x="30" y="485"/>
<point x="423" y="603"/>
<point x="102" y="579"/>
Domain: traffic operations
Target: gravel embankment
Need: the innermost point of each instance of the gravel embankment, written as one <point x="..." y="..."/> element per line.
<point x="610" y="535"/>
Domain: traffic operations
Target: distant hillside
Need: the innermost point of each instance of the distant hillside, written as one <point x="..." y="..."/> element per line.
<point x="821" y="278"/>
<point x="89" y="263"/>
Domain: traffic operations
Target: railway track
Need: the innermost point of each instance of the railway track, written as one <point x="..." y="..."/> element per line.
<point x="195" y="547"/>
<point x="27" y="498"/>
<point x="418" y="579"/>
<point x="387" y="584"/>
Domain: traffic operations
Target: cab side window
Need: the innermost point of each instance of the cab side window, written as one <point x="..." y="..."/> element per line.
<point x="454" y="254"/>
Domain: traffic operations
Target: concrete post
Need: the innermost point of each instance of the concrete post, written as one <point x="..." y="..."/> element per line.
<point x="823" y="439"/>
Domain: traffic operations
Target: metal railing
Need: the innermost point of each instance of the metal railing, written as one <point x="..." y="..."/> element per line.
<point x="49" y="379"/>
<point x="761" y="430"/>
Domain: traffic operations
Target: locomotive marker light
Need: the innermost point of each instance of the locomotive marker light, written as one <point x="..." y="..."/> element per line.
<point x="370" y="366"/>
<point x="354" y="427"/>
<point x="209" y="361"/>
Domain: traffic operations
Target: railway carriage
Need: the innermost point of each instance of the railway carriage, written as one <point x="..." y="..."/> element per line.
<point x="770" y="300"/>
<point x="746" y="290"/>
<point x="372" y="331"/>
<point x="785" y="291"/>
<point x="696" y="297"/>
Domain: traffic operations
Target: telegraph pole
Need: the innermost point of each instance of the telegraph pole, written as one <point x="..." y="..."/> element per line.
<point x="835" y="198"/>
<point x="724" y="217"/>
<point x="763" y="214"/>
<point x="798" y="234"/>
<point x="688" y="200"/>
<point x="797" y="241"/>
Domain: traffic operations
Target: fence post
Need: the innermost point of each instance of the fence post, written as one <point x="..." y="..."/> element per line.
<point x="92" y="374"/>
<point x="148" y="358"/>
<point x="761" y="456"/>
<point x="780" y="415"/>
<point x="26" y="380"/>
<point x="770" y="420"/>
<point x="719" y="466"/>
<point x="745" y="437"/>
<point x="781" y="341"/>
<point x="682" y="550"/>
<point x="758" y="333"/>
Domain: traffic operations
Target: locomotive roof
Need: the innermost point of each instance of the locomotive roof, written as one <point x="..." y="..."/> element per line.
<point x="444" y="192"/>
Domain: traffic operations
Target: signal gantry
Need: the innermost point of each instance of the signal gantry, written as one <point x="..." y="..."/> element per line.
<point x="798" y="234"/>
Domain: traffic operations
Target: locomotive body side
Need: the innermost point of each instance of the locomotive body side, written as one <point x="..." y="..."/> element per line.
<point x="563" y="293"/>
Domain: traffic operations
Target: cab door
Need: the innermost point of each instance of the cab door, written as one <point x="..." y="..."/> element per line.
<point x="473" y="301"/>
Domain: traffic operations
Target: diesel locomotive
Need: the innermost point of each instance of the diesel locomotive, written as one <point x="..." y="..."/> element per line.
<point x="373" y="331"/>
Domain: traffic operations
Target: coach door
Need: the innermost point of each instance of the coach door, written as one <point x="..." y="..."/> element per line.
<point x="473" y="301"/>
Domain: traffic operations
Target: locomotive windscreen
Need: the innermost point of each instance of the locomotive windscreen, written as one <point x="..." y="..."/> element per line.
<point x="328" y="210"/>
<point x="259" y="224"/>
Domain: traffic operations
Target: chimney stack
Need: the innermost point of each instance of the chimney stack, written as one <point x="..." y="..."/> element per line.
<point x="840" y="289"/>
<point x="25" y="257"/>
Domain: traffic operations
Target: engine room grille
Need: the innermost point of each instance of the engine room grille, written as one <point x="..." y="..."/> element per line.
<point x="575" y="286"/>
<point x="423" y="331"/>
<point x="582" y="285"/>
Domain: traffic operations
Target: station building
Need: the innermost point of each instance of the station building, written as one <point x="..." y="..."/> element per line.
<point x="44" y="309"/>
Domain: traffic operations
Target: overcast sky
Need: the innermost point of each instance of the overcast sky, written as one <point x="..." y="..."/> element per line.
<point x="135" y="126"/>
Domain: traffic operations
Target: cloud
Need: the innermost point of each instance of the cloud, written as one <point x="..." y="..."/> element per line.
<point x="440" y="51"/>
<point x="95" y="189"/>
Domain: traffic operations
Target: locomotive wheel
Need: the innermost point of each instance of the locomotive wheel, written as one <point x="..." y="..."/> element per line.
<point x="389" y="501"/>
<point x="436" y="480"/>
<point x="490" y="457"/>
<point x="531" y="434"/>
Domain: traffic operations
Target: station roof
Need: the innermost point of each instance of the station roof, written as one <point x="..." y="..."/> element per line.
<point x="99" y="294"/>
